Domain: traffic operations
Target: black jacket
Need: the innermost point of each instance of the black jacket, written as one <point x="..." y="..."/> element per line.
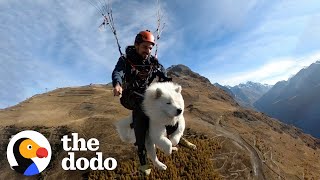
<point x="135" y="73"/>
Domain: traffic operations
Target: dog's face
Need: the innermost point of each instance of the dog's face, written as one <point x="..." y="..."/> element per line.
<point x="163" y="100"/>
<point x="169" y="101"/>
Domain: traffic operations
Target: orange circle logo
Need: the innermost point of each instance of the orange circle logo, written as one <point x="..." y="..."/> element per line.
<point x="29" y="152"/>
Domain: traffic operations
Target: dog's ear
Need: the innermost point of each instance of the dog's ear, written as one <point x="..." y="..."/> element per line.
<point x="158" y="93"/>
<point x="178" y="89"/>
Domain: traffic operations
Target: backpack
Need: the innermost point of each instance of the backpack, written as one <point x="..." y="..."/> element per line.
<point x="128" y="99"/>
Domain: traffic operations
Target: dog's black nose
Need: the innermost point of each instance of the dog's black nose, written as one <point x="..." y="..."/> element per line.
<point x="179" y="111"/>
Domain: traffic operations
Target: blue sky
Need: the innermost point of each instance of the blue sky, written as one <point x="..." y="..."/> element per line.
<point x="48" y="44"/>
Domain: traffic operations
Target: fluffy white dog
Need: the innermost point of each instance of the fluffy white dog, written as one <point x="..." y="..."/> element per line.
<point x="164" y="105"/>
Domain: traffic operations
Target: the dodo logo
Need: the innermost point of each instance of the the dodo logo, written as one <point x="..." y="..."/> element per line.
<point x="28" y="152"/>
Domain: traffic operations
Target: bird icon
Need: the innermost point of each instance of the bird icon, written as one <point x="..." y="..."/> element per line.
<point x="24" y="150"/>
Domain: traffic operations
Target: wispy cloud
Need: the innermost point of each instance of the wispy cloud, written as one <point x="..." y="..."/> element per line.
<point x="269" y="73"/>
<point x="278" y="33"/>
<point x="49" y="44"/>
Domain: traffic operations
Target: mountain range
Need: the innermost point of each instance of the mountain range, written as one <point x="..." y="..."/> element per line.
<point x="232" y="142"/>
<point x="296" y="101"/>
<point x="246" y="94"/>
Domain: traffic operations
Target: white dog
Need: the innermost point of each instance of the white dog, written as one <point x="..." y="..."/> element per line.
<point x="164" y="105"/>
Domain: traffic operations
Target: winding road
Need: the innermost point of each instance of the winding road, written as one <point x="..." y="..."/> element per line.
<point x="254" y="157"/>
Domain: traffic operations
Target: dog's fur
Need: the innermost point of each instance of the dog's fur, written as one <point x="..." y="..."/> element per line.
<point x="164" y="105"/>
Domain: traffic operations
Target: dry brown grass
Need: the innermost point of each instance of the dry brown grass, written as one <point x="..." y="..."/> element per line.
<point x="183" y="164"/>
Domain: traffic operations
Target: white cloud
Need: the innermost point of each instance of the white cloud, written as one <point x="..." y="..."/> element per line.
<point x="276" y="70"/>
<point x="280" y="32"/>
<point x="49" y="44"/>
<point x="43" y="42"/>
<point x="210" y="20"/>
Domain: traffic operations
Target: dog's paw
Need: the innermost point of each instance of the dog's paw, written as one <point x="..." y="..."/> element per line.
<point x="168" y="151"/>
<point x="161" y="166"/>
<point x="192" y="146"/>
<point x="174" y="140"/>
<point x="174" y="149"/>
<point x="186" y="143"/>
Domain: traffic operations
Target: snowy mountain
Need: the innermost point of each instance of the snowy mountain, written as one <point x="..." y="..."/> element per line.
<point x="296" y="101"/>
<point x="246" y="93"/>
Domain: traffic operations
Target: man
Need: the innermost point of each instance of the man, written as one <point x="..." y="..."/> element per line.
<point x="135" y="71"/>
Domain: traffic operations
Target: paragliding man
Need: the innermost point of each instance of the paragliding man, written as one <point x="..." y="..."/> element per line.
<point x="133" y="73"/>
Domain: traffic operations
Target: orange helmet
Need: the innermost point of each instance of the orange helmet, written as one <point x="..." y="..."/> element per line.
<point x="144" y="36"/>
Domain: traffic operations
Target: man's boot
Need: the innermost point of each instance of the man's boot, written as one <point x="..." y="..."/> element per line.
<point x="145" y="170"/>
<point x="144" y="167"/>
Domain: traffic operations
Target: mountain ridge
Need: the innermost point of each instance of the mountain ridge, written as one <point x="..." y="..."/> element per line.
<point x="233" y="141"/>
<point x="295" y="101"/>
<point x="246" y="94"/>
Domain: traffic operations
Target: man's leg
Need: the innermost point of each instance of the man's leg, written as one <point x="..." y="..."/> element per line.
<point x="141" y="125"/>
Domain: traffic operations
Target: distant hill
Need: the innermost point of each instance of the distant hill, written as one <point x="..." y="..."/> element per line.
<point x="246" y="93"/>
<point x="296" y="101"/>
<point x="233" y="142"/>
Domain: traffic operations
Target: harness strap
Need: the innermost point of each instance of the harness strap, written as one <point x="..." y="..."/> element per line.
<point x="139" y="94"/>
<point x="133" y="66"/>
